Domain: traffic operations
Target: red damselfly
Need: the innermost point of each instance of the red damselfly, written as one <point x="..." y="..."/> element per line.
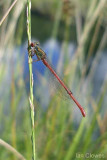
<point x="41" y="55"/>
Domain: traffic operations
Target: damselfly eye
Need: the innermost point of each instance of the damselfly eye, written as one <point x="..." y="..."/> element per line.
<point x="32" y="44"/>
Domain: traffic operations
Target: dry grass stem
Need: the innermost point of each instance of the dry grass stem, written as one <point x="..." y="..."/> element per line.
<point x="10" y="148"/>
<point x="6" y="14"/>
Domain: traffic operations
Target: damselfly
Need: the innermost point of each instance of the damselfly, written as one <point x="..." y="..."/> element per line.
<point x="41" y="55"/>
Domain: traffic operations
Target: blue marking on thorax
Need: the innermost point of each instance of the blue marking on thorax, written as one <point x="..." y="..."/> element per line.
<point x="36" y="48"/>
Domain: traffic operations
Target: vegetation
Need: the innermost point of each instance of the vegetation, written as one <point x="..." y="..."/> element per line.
<point x="59" y="132"/>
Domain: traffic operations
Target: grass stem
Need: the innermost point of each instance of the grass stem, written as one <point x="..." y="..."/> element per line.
<point x="8" y="11"/>
<point x="31" y="78"/>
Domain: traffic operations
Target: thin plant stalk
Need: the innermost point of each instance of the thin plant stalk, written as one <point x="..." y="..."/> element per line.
<point x="31" y="78"/>
<point x="8" y="11"/>
<point x="11" y="149"/>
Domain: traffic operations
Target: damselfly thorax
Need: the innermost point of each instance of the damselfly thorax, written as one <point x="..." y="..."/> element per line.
<point x="38" y="51"/>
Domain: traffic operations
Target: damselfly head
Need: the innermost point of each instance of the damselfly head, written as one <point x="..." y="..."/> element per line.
<point x="32" y="44"/>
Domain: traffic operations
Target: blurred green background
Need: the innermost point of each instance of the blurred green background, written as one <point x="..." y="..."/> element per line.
<point x="73" y="34"/>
